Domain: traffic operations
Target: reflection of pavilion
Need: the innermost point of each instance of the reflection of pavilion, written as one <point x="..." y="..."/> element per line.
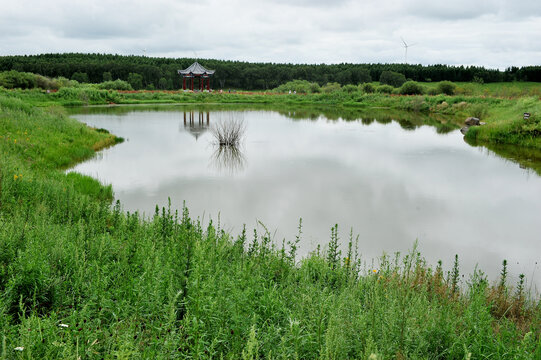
<point x="198" y="126"/>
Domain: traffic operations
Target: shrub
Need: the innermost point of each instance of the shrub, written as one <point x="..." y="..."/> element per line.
<point x="478" y="80"/>
<point x="315" y="88"/>
<point x="300" y="86"/>
<point x="479" y="111"/>
<point x="115" y="85"/>
<point x="350" y="88"/>
<point x="331" y="87"/>
<point x="368" y="88"/>
<point x="433" y="91"/>
<point x="385" y="89"/>
<point x="43" y="82"/>
<point x="64" y="82"/>
<point x="417" y="104"/>
<point x="446" y="87"/>
<point x="17" y="80"/>
<point x="392" y="78"/>
<point x="411" y="88"/>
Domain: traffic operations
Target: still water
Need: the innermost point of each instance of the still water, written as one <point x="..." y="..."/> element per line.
<point x="390" y="182"/>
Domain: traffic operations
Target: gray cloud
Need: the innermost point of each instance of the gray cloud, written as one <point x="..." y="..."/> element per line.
<point x="495" y="33"/>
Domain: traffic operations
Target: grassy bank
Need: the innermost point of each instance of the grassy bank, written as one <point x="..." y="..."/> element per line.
<point x="506" y="124"/>
<point x="81" y="280"/>
<point x="500" y="105"/>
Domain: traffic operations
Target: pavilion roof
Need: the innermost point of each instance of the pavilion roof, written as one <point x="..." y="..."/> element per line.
<point x="196" y="69"/>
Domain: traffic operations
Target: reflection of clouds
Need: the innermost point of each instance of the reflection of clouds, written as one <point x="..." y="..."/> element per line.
<point x="389" y="185"/>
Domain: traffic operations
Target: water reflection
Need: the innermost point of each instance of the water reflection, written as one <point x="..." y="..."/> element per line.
<point x="390" y="185"/>
<point x="196" y="128"/>
<point x="228" y="130"/>
<point x="526" y="158"/>
<point x="228" y="159"/>
<point x="229" y="134"/>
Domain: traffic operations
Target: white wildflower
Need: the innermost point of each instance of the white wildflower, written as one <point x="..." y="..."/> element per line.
<point x="63" y="325"/>
<point x="19" y="348"/>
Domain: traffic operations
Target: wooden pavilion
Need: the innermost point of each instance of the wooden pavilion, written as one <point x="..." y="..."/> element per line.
<point x="193" y="71"/>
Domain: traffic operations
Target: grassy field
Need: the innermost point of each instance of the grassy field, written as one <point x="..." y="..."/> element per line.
<point x="79" y="279"/>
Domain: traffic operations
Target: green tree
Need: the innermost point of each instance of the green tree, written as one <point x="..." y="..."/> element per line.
<point x="162" y="84"/>
<point x="81" y="77"/>
<point x="360" y="76"/>
<point x="136" y="81"/>
<point x="392" y="78"/>
<point x="107" y="76"/>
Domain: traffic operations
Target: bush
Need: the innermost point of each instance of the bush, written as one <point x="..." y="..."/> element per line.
<point x="350" y="88"/>
<point x="368" y="88"/>
<point x="64" y="82"/>
<point x="300" y="86"/>
<point x="43" y="82"/>
<point x="417" y="104"/>
<point x="385" y="89"/>
<point x="392" y="78"/>
<point x="433" y="91"/>
<point x="17" y="80"/>
<point x="115" y="85"/>
<point x="411" y="88"/>
<point x="446" y="87"/>
<point x="331" y="87"/>
<point x="479" y="111"/>
<point x="315" y="88"/>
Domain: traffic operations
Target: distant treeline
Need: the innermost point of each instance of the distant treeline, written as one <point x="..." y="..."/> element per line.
<point x="161" y="73"/>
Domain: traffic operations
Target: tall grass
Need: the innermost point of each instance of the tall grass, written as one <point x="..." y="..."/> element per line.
<point x="82" y="279"/>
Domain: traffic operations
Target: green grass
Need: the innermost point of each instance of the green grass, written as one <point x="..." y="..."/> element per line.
<point x="79" y="279"/>
<point x="500" y="105"/>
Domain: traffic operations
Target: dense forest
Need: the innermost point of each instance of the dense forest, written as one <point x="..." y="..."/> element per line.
<point x="161" y="73"/>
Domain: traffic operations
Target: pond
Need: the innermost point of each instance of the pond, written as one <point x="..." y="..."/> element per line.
<point x="391" y="182"/>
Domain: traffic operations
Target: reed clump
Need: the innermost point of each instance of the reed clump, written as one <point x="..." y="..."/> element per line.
<point x="228" y="132"/>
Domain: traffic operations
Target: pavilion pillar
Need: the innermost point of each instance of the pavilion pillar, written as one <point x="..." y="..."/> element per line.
<point x="183" y="83"/>
<point x="208" y="83"/>
<point x="201" y="82"/>
<point x="192" y="83"/>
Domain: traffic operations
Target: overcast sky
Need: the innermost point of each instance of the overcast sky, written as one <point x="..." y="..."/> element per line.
<point x="490" y="33"/>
